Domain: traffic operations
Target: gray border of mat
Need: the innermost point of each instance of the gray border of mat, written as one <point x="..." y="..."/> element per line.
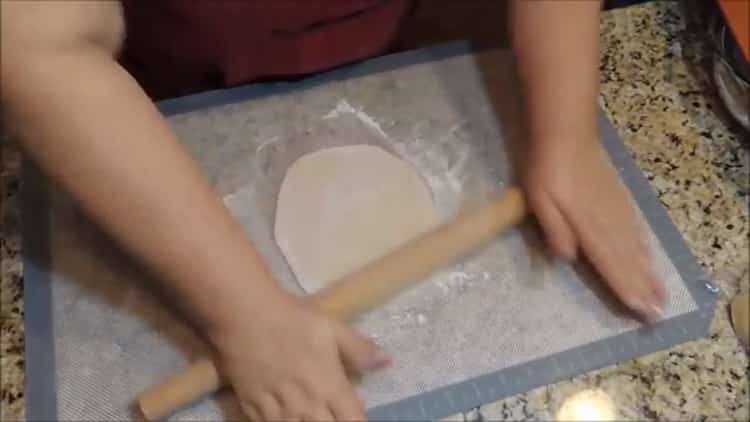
<point x="39" y="389"/>
<point x="452" y="399"/>
<point x="41" y="400"/>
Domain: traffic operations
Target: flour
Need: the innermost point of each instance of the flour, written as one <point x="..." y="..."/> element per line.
<point x="441" y="163"/>
<point x="266" y="143"/>
<point x="408" y="319"/>
<point x="443" y="160"/>
<point x="459" y="281"/>
<point x="457" y="277"/>
<point x="454" y="173"/>
<point x="343" y="107"/>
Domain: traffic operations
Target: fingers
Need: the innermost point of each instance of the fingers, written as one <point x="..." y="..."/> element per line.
<point x="659" y="293"/>
<point x="298" y="405"/>
<point x="338" y="402"/>
<point x="359" y="352"/>
<point x="321" y="413"/>
<point x="251" y="412"/>
<point x="557" y="231"/>
<point x="622" y="258"/>
<point x="299" y="376"/>
<point x="637" y="284"/>
<point x="295" y="403"/>
<point x="652" y="288"/>
<point x="346" y="405"/>
<point x="268" y="406"/>
<point x="323" y="392"/>
<point x="611" y="238"/>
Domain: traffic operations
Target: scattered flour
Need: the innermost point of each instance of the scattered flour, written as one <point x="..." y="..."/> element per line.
<point x="431" y="159"/>
<point x="343" y="107"/>
<point x="409" y="318"/>
<point x="458" y="281"/>
<point x="443" y="161"/>
<point x="459" y="277"/>
<point x="266" y="143"/>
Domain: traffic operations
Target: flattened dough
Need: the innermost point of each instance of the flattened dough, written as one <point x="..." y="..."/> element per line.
<point x="340" y="208"/>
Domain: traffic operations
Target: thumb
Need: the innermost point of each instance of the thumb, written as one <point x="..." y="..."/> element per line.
<point x="360" y="353"/>
<point x="557" y="231"/>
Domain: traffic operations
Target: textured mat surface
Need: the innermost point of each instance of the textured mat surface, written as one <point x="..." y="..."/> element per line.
<point x="504" y="321"/>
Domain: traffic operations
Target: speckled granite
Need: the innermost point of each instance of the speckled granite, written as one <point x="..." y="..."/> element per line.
<point x="11" y="289"/>
<point x="657" y="92"/>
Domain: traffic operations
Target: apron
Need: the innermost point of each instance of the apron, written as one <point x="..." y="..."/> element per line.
<point x="178" y="47"/>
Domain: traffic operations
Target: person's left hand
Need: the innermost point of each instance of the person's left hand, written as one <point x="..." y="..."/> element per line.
<point x="581" y="206"/>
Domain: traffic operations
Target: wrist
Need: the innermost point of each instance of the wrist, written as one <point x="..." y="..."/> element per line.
<point x="563" y="141"/>
<point x="558" y="156"/>
<point x="232" y="306"/>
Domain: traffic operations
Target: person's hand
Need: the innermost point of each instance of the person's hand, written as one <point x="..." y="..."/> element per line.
<point x="289" y="362"/>
<point x="581" y="206"/>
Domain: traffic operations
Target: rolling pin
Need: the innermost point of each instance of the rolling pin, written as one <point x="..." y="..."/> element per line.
<point x="370" y="286"/>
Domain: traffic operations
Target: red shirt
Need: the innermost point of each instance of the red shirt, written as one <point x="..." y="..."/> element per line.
<point x="176" y="47"/>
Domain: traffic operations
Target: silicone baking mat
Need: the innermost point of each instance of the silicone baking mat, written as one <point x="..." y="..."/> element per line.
<point x="502" y="322"/>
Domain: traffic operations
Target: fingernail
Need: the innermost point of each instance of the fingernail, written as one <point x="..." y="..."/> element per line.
<point x="639" y="306"/>
<point x="651" y="311"/>
<point x="380" y="359"/>
<point x="571" y="253"/>
<point x="657" y="310"/>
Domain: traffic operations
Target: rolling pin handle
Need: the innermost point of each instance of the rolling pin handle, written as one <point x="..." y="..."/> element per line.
<point x="199" y="379"/>
<point x="358" y="292"/>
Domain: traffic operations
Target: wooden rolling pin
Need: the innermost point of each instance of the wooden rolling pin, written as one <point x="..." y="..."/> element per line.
<point x="366" y="288"/>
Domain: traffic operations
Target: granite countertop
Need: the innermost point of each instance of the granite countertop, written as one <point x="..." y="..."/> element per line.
<point x="657" y="92"/>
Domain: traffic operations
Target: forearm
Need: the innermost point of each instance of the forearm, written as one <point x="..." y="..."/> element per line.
<point x="556" y="49"/>
<point x="89" y="125"/>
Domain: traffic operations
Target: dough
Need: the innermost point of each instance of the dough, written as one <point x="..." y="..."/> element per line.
<point x="340" y="208"/>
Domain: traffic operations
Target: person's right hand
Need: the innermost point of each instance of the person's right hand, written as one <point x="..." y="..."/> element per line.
<point x="583" y="209"/>
<point x="288" y="361"/>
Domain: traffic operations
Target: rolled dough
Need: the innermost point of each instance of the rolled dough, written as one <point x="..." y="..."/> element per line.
<point x="340" y="208"/>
